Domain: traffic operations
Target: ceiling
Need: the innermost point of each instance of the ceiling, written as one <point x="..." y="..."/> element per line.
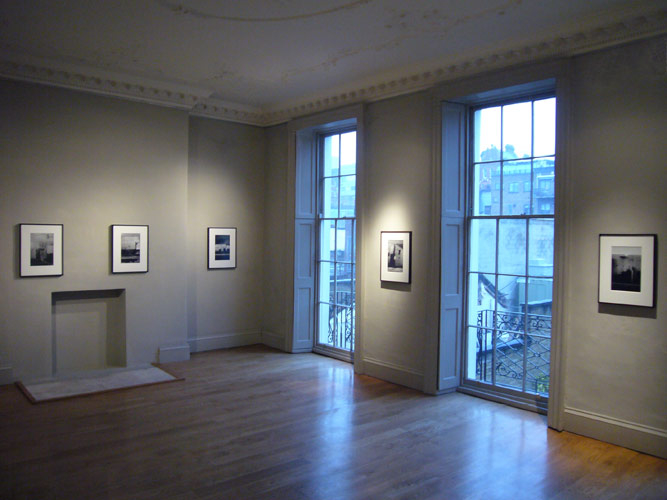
<point x="265" y="61"/>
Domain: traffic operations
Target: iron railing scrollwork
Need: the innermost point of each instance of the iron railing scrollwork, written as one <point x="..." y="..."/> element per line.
<point x="341" y="321"/>
<point x="507" y="337"/>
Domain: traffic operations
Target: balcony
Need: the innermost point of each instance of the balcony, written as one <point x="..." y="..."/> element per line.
<point x="513" y="350"/>
<point x="340" y="331"/>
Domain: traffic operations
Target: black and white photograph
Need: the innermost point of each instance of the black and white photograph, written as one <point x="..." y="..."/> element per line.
<point x="129" y="249"/>
<point x="221" y="247"/>
<point x="627" y="269"/>
<point x="41" y="250"/>
<point x="395" y="256"/>
<point x="626" y="266"/>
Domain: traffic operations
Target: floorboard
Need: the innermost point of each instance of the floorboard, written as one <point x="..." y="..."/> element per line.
<point x="254" y="422"/>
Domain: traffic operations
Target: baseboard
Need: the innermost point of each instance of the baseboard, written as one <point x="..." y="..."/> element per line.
<point x="173" y="353"/>
<point x="6" y="375"/>
<point x="395" y="374"/>
<point x="225" y="341"/>
<point x="631" y="435"/>
<point x="271" y="339"/>
<point x="536" y="404"/>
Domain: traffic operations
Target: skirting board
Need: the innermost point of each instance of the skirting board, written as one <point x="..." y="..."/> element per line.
<point x="271" y="339"/>
<point x="394" y="373"/>
<point x="173" y="353"/>
<point x="6" y="375"/>
<point x="224" y="341"/>
<point x="620" y="432"/>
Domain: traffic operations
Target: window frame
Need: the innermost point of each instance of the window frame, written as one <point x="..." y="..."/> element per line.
<point x="531" y="401"/>
<point x="318" y="347"/>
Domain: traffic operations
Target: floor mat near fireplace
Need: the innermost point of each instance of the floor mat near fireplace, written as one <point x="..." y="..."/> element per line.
<point x="105" y="381"/>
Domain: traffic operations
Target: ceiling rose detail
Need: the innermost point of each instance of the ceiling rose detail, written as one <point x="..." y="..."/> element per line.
<point x="247" y="11"/>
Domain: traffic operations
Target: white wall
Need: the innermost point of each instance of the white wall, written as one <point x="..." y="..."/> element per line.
<point x="225" y="189"/>
<point x="616" y="356"/>
<point x="277" y="260"/>
<point x="397" y="176"/>
<point x="89" y="162"/>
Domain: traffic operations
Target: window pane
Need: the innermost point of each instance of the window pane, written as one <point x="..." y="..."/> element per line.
<point x="545" y="127"/>
<point x="481" y="299"/>
<point x="348" y="153"/>
<point x="537" y="365"/>
<point x="517" y="131"/>
<point x="541" y="247"/>
<point x="330" y="156"/>
<point x="515" y="173"/>
<point x="330" y="197"/>
<point x="344" y="285"/>
<point x="348" y="187"/>
<point x="512" y="246"/>
<point x="344" y="335"/>
<point x="345" y="241"/>
<point x="538" y="327"/>
<point x="483" y="245"/>
<point x="543" y="186"/>
<point x="509" y="359"/>
<point x="326" y="282"/>
<point x="508" y="295"/>
<point x="487" y="134"/>
<point x="538" y="305"/>
<point x="480" y="352"/>
<point x="326" y="320"/>
<point x="328" y="240"/>
<point x="486" y="196"/>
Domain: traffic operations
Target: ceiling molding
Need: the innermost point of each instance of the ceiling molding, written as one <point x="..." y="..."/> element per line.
<point x="197" y="103"/>
<point x="627" y="30"/>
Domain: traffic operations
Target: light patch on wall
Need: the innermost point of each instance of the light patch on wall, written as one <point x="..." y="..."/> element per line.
<point x="393" y="215"/>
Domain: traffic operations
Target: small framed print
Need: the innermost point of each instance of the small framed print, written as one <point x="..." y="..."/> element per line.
<point x="129" y="249"/>
<point x="221" y="247"/>
<point x="627" y="269"/>
<point x="396" y="256"/>
<point x="41" y="250"/>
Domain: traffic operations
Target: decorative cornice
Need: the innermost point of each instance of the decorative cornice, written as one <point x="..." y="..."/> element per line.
<point x="154" y="94"/>
<point x="633" y="28"/>
<point x="199" y="104"/>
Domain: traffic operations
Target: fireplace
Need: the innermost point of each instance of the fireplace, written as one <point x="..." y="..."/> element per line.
<point x="88" y="330"/>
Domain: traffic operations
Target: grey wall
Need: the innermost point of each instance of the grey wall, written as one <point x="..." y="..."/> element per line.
<point x="397" y="175"/>
<point x="616" y="356"/>
<point x="277" y="261"/>
<point x="88" y="162"/>
<point x="226" y="182"/>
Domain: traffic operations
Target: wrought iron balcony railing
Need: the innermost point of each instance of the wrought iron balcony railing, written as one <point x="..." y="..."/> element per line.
<point x="514" y="346"/>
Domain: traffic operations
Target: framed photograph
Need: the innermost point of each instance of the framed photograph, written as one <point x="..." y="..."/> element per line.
<point x="627" y="269"/>
<point x="41" y="250"/>
<point x="221" y="247"/>
<point x="129" y="249"/>
<point x="395" y="256"/>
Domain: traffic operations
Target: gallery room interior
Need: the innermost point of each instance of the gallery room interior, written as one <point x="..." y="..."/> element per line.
<point x="178" y="180"/>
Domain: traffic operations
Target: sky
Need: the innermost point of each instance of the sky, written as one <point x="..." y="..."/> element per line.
<point x="516" y="128"/>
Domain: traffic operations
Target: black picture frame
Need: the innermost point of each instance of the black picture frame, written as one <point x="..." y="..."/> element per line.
<point x="626" y="269"/>
<point x="396" y="256"/>
<point x="129" y="248"/>
<point x="41" y="250"/>
<point x="221" y="248"/>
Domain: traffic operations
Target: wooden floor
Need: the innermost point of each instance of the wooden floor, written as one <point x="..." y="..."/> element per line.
<point x="253" y="422"/>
